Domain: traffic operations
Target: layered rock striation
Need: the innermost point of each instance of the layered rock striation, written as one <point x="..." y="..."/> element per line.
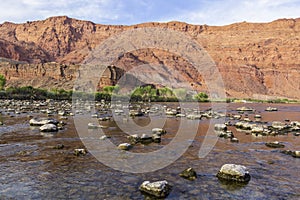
<point x="256" y="60"/>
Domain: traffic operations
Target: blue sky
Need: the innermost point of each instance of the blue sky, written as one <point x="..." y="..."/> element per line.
<point x="211" y="12"/>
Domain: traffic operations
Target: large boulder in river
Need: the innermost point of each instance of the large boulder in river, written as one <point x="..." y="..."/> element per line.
<point x="42" y="121"/>
<point x="48" y="128"/>
<point x="159" y="189"/>
<point x="233" y="172"/>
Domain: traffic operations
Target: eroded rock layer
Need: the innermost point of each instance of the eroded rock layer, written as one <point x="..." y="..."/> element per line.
<point x="256" y="60"/>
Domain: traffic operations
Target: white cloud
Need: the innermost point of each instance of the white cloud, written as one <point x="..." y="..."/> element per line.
<point x="24" y="10"/>
<point x="220" y="13"/>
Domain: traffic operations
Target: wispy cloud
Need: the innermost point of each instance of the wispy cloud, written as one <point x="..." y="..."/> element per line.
<point x="212" y="12"/>
<point x="230" y="11"/>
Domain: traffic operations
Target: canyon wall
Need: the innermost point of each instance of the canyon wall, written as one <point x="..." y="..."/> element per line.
<point x="256" y="60"/>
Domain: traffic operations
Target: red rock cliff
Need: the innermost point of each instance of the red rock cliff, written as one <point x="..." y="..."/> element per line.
<point x="255" y="59"/>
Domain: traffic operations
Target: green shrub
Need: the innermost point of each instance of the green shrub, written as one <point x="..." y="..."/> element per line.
<point x="2" y="82"/>
<point x="201" y="97"/>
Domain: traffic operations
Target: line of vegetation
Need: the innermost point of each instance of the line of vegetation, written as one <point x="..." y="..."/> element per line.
<point x="139" y="94"/>
<point x="279" y="100"/>
<point x="143" y="93"/>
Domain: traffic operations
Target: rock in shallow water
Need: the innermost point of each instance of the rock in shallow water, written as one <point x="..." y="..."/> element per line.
<point x="160" y="189"/>
<point x="159" y="131"/>
<point x="59" y="146"/>
<point x="49" y="128"/>
<point x="146" y="139"/>
<point x="274" y="145"/>
<point x="220" y="127"/>
<point x="78" y="152"/>
<point x="295" y="154"/>
<point x="42" y="121"/>
<point x="233" y="172"/>
<point x="234" y="140"/>
<point x="271" y="109"/>
<point x="156" y="138"/>
<point x="125" y="146"/>
<point x="134" y="139"/>
<point x="189" y="174"/>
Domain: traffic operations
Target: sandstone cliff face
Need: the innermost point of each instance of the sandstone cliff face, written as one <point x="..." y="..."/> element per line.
<point x="51" y="75"/>
<point x="255" y="59"/>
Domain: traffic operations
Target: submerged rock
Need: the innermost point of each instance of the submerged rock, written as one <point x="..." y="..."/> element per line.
<point x="233" y="172"/>
<point x="49" y="128"/>
<point x="92" y="126"/>
<point x="159" y="189"/>
<point x="59" y="146"/>
<point x="189" y="174"/>
<point x="275" y="144"/>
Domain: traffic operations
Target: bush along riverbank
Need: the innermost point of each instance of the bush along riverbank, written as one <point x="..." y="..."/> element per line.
<point x="249" y="100"/>
<point x="148" y="93"/>
<point x="144" y="93"/>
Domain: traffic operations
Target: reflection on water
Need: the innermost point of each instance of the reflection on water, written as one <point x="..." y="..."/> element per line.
<point x="31" y="168"/>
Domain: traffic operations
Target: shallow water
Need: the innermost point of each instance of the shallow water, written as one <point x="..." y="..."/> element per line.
<point x="30" y="168"/>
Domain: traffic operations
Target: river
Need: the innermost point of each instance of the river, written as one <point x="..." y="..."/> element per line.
<point x="32" y="168"/>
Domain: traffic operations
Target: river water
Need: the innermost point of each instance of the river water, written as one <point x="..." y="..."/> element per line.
<point x="31" y="168"/>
